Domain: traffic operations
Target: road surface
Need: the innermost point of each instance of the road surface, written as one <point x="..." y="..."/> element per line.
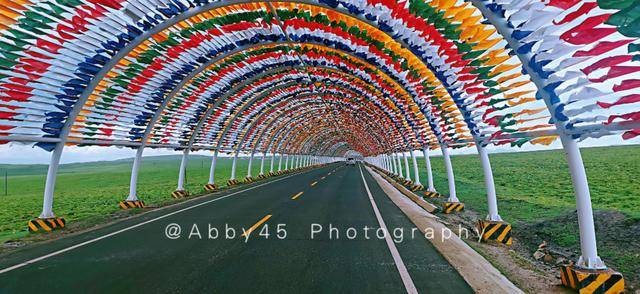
<point x="301" y="253"/>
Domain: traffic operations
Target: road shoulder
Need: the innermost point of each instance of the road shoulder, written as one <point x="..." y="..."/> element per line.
<point x="475" y="269"/>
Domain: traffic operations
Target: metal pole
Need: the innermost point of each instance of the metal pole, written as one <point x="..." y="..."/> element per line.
<point x="427" y="161"/>
<point x="406" y="167"/>
<point x="249" y="167"/>
<point x="415" y="168"/>
<point x="589" y="258"/>
<point x="233" y="166"/>
<point x="280" y="162"/>
<point x="492" y="201"/>
<point x="400" y="173"/>
<point x="394" y="170"/>
<point x="450" y="177"/>
<point x="135" y="169"/>
<point x="264" y="154"/>
<point x="183" y="167"/>
<point x="212" y="171"/>
<point x="47" y="204"/>
<point x="286" y="163"/>
<point x="273" y="159"/>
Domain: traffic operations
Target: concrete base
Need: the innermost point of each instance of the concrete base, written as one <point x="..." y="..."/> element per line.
<point x="128" y="204"/>
<point x="233" y="182"/>
<point x="248" y="180"/>
<point x="262" y="176"/>
<point x="45" y="225"/>
<point x="496" y="231"/>
<point x="451" y="207"/>
<point x="211" y="187"/>
<point x="179" y="194"/>
<point x="592" y="281"/>
<point x="431" y="194"/>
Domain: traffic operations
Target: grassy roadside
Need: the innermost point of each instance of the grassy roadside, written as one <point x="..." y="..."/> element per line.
<point x="91" y="191"/>
<point x="535" y="194"/>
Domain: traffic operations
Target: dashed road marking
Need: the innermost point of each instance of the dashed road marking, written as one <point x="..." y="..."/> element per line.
<point x="314" y="183"/>
<point x="260" y="222"/>
<point x="296" y="196"/>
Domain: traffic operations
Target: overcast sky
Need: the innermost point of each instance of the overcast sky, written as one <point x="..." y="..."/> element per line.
<point x="21" y="154"/>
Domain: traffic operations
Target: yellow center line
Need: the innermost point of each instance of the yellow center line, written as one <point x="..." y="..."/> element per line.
<point x="313" y="184"/>
<point x="296" y="196"/>
<point x="260" y="222"/>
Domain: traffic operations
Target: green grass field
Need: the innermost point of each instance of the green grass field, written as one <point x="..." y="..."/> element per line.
<point x="87" y="191"/>
<point x="534" y="185"/>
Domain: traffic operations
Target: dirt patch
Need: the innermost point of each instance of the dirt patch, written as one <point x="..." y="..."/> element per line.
<point x="528" y="274"/>
<point x="618" y="243"/>
<point x="618" y="240"/>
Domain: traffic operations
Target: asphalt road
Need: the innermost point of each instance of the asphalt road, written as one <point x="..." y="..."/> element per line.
<point x="300" y="254"/>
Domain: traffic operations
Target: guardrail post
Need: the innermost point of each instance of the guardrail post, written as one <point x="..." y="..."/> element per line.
<point x="427" y="162"/>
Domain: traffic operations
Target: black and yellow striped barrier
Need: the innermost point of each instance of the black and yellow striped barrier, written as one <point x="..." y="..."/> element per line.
<point x="233" y="182"/>
<point x="179" y="194"/>
<point x="498" y="231"/>
<point x="248" y="180"/>
<point x="262" y="176"/>
<point x="211" y="187"/>
<point x="415" y="188"/>
<point x="128" y="204"/>
<point x="605" y="281"/>
<point x="450" y="207"/>
<point x="431" y="194"/>
<point x="45" y="225"/>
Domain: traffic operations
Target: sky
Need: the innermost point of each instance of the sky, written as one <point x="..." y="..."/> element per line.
<point x="14" y="153"/>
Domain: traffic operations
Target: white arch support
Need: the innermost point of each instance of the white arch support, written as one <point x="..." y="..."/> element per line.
<point x="427" y="162"/>
<point x="589" y="258"/>
<point x="450" y="177"/>
<point x="406" y="167"/>
<point x="212" y="171"/>
<point x="182" y="172"/>
<point x="415" y="168"/>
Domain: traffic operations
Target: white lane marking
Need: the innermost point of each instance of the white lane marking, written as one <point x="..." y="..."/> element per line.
<point x="402" y="269"/>
<point x="17" y="266"/>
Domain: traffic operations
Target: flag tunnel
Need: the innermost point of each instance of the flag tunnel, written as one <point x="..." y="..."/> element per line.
<point x="296" y="84"/>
